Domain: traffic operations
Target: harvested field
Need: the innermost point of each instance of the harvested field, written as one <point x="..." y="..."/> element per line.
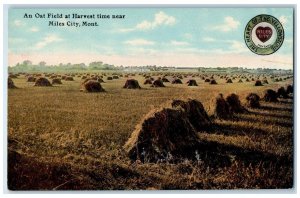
<point x="60" y="138"/>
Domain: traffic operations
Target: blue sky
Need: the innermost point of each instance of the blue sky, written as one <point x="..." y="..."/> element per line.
<point x="147" y="36"/>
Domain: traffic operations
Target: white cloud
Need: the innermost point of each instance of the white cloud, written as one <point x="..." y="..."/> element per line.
<point x="283" y="20"/>
<point x="208" y="39"/>
<point x="229" y="24"/>
<point x="145" y="25"/>
<point x="51" y="38"/>
<point x="18" y="23"/>
<point x="160" y="19"/>
<point x="237" y="46"/>
<point x="139" y="42"/>
<point x="34" y="29"/>
<point x="179" y="43"/>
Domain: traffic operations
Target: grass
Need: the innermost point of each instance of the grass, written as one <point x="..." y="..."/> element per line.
<point x="61" y="138"/>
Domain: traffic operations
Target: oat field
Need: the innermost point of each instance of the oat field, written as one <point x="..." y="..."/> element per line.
<point x="63" y="139"/>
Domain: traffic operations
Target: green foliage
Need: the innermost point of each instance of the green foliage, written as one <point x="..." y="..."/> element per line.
<point x="28" y="66"/>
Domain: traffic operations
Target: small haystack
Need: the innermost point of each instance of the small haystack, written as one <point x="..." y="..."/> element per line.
<point x="289" y="89"/>
<point x="222" y="109"/>
<point x="31" y="79"/>
<point x="132" y="84"/>
<point x="207" y="80"/>
<point x="253" y="100"/>
<point x="247" y="80"/>
<point x="100" y="80"/>
<point x="148" y="81"/>
<point x="234" y="103"/>
<point x="258" y="83"/>
<point x="195" y="112"/>
<point x="282" y="93"/>
<point x="213" y="82"/>
<point x="56" y="81"/>
<point x="69" y="78"/>
<point x="270" y="96"/>
<point x="160" y="135"/>
<point x="164" y="79"/>
<point x="83" y="77"/>
<point x="109" y="78"/>
<point x="158" y="83"/>
<point x="115" y="77"/>
<point x="176" y="81"/>
<point x="240" y="81"/>
<point x="10" y="84"/>
<point x="265" y="81"/>
<point x="92" y="86"/>
<point x="42" y="82"/>
<point x="192" y="82"/>
<point x="229" y="80"/>
<point x="13" y="76"/>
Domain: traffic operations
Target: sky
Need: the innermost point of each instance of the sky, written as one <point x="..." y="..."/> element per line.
<point x="207" y="37"/>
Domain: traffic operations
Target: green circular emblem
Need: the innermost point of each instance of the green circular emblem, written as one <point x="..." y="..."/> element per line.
<point x="264" y="34"/>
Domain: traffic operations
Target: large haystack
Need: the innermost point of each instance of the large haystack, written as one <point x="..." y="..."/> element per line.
<point x="207" y="80"/>
<point x="195" y="112"/>
<point x="270" y="96"/>
<point x="162" y="133"/>
<point x="192" y="82"/>
<point x="42" y="82"/>
<point x="176" y="81"/>
<point x="92" y="86"/>
<point x="222" y="109"/>
<point x="253" y="100"/>
<point x="56" y="81"/>
<point x="158" y="83"/>
<point x="115" y="77"/>
<point x="281" y="92"/>
<point x="234" y="103"/>
<point x="10" y="84"/>
<point x="132" y="84"/>
<point x="109" y="78"/>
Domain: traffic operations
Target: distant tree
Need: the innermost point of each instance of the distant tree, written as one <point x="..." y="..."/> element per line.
<point x="42" y="63"/>
<point x="27" y="62"/>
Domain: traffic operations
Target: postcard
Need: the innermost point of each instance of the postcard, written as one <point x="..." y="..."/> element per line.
<point x="150" y="97"/>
